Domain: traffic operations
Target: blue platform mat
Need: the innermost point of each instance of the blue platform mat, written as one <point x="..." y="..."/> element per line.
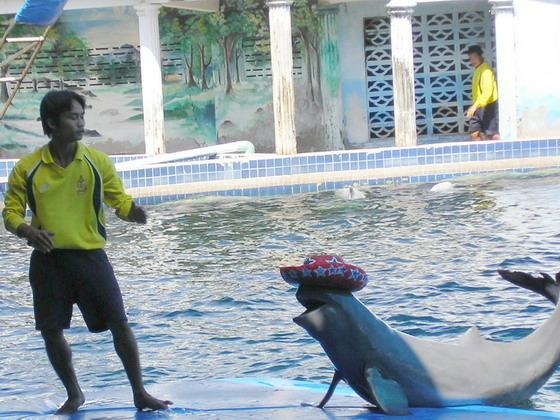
<point x="40" y="12"/>
<point x="251" y="398"/>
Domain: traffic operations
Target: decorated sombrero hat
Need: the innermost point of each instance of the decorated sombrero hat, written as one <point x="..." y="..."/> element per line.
<point x="326" y="271"/>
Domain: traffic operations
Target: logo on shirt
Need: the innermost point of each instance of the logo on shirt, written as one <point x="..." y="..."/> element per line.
<point x="43" y="188"/>
<point x="81" y="185"/>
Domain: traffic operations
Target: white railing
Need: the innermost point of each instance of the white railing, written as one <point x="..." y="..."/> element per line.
<point x="238" y="147"/>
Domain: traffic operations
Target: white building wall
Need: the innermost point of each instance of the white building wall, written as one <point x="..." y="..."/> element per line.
<point x="538" y="66"/>
<point x="352" y="56"/>
<point x="353" y="69"/>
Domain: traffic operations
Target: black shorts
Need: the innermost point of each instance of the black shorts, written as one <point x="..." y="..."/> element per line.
<point x="485" y="120"/>
<point x="64" y="277"/>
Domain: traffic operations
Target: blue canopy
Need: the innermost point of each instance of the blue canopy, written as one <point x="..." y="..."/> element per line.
<point x="40" y="12"/>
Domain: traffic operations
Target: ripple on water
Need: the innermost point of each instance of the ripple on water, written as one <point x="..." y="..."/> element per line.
<point x="205" y="298"/>
<point x="188" y="313"/>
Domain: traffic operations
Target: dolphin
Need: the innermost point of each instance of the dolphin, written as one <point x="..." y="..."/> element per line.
<point x="394" y="371"/>
<point x="350" y="193"/>
<point x="445" y="186"/>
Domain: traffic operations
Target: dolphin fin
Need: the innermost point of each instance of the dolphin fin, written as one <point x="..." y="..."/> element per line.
<point x="335" y="380"/>
<point x="472" y="336"/>
<point x="388" y="393"/>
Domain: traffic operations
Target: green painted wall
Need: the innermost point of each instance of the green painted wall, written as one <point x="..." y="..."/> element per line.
<point x="216" y="70"/>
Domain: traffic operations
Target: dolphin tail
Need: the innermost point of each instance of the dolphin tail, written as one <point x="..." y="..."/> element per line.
<point x="545" y="285"/>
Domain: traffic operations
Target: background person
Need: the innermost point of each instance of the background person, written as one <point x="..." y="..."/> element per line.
<point x="65" y="184"/>
<point x="482" y="115"/>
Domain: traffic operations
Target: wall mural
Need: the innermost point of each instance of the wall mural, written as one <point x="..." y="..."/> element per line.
<point x="216" y="78"/>
<point x="81" y="53"/>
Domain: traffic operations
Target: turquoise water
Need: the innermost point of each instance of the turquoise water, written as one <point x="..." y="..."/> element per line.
<point x="205" y="299"/>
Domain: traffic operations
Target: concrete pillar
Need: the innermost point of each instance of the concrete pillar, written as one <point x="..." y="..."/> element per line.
<point x="152" y="89"/>
<point x="280" y="20"/>
<point x="400" y="12"/>
<point x="330" y="78"/>
<point x="505" y="58"/>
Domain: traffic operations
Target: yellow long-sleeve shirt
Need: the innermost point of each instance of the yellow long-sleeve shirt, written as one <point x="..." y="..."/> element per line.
<point x="66" y="201"/>
<point x="484" y="86"/>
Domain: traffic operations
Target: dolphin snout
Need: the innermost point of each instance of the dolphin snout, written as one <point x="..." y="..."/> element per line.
<point x="315" y="317"/>
<point x="320" y="308"/>
<point x="310" y="305"/>
<point x="312" y="319"/>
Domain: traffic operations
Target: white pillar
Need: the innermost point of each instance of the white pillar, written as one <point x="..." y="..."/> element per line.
<point x="280" y="19"/>
<point x="505" y="60"/>
<point x="330" y="78"/>
<point x="152" y="89"/>
<point x="400" y="12"/>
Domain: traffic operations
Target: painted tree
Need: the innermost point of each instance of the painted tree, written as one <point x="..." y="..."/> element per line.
<point x="236" y="20"/>
<point x="307" y="28"/>
<point x="194" y="33"/>
<point x="177" y="28"/>
<point x="206" y="37"/>
<point x="66" y="52"/>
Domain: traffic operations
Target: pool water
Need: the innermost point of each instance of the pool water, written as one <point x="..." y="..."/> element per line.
<point x="205" y="298"/>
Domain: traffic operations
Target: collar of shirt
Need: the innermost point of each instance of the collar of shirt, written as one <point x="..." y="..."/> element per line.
<point x="46" y="155"/>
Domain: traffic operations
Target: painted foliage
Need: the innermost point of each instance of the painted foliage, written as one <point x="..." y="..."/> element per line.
<point x="227" y="55"/>
<point x="216" y="73"/>
<point x="81" y="53"/>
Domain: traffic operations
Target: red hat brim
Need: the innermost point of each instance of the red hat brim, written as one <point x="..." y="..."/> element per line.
<point x="326" y="271"/>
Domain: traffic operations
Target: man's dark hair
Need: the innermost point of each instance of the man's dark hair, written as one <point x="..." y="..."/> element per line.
<point x="475" y="49"/>
<point x="55" y="103"/>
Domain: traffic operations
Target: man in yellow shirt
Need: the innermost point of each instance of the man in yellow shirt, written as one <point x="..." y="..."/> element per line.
<point x="483" y="113"/>
<point x="65" y="185"/>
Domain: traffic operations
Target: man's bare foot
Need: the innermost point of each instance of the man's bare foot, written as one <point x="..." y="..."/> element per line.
<point x="71" y="405"/>
<point x="144" y="401"/>
<point x="475" y="136"/>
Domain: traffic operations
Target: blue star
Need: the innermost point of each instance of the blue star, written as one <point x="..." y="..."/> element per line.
<point x="336" y="271"/>
<point x="356" y="275"/>
<point x="320" y="271"/>
<point x="306" y="272"/>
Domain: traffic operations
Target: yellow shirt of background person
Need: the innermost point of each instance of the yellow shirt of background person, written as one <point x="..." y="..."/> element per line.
<point x="66" y="201"/>
<point x="484" y="86"/>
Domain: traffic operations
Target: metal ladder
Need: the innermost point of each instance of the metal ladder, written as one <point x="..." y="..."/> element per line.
<point x="30" y="43"/>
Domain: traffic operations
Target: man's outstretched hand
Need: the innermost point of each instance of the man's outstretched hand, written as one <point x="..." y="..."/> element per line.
<point x="137" y="214"/>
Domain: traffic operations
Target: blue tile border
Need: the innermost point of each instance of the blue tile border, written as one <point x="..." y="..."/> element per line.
<point x="333" y="162"/>
<point x="311" y="187"/>
<point x="248" y="169"/>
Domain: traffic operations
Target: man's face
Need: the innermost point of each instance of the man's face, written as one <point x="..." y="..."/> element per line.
<point x="475" y="59"/>
<point x="71" y="124"/>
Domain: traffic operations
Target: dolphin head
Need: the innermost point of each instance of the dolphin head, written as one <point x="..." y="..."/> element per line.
<point x="323" y="308"/>
<point x="325" y="285"/>
<point x="333" y="317"/>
